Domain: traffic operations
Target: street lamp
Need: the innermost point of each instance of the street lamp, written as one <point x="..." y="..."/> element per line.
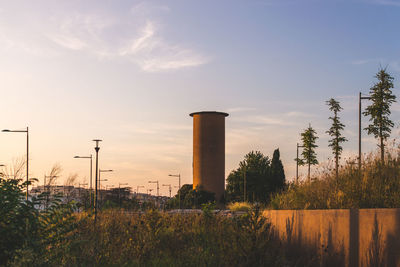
<point x="359" y="128"/>
<point x="158" y="189"/>
<point x="100" y="171"/>
<point x="169" y="187"/>
<point x="27" y="153"/>
<point x="179" y="188"/>
<point x="139" y="186"/>
<point x="297" y="163"/>
<point x="88" y="157"/>
<point x="97" y="148"/>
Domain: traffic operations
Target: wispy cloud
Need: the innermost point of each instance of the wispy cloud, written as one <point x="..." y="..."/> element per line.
<point x="153" y="54"/>
<point x="135" y="36"/>
<point x="240" y="109"/>
<point x="366" y="61"/>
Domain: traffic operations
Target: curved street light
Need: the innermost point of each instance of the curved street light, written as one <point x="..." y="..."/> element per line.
<point x="27" y="153"/>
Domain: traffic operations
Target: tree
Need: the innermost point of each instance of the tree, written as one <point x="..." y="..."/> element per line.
<point x="256" y="169"/>
<point x="309" y="136"/>
<point x="335" y="132"/>
<point x="277" y="171"/>
<point x="379" y="110"/>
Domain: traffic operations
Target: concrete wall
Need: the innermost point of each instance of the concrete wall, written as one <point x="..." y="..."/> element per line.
<point x="365" y="237"/>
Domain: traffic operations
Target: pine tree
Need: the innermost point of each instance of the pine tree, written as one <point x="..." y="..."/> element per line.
<point x="379" y="110"/>
<point x="277" y="171"/>
<point x="335" y="132"/>
<point x="309" y="136"/>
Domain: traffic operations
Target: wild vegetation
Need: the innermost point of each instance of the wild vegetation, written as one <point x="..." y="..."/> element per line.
<point x="59" y="236"/>
<point x="376" y="186"/>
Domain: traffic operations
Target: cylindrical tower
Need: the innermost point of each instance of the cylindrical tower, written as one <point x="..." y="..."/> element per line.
<point x="209" y="152"/>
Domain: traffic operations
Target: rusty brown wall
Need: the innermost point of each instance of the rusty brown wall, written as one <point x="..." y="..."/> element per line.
<point x="365" y="237"/>
<point x="209" y="152"/>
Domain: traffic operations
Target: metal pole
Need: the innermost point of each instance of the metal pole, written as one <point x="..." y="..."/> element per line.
<point x="179" y="191"/>
<point x="359" y="133"/>
<point x="97" y="148"/>
<point x="244" y="184"/>
<point x="91" y="178"/>
<point x="359" y="129"/>
<point x="27" y="161"/>
<point x="297" y="164"/>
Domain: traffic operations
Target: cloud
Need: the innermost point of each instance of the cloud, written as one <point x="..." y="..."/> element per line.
<point x="240" y="109"/>
<point x="142" y="45"/>
<point x="366" y="61"/>
<point x="69" y="42"/>
<point x="153" y="54"/>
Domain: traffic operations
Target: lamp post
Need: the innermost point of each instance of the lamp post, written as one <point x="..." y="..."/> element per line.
<point x="158" y="188"/>
<point x="359" y="128"/>
<point x="297" y="163"/>
<point x="100" y="171"/>
<point x="97" y="148"/>
<point x="119" y="193"/>
<point x="169" y="187"/>
<point x="90" y="189"/>
<point x="179" y="188"/>
<point x="100" y="192"/>
<point x="27" y="154"/>
<point x="139" y="186"/>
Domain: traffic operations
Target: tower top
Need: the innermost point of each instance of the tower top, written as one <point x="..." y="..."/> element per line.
<point x="209" y="112"/>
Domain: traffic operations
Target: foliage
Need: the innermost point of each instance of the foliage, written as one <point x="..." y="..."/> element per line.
<point x="191" y="198"/>
<point x="379" y="110"/>
<point x="262" y="178"/>
<point x="377" y="187"/>
<point x="278" y="178"/>
<point x="239" y="206"/>
<point x="309" y="137"/>
<point x="27" y="233"/>
<point x="335" y="132"/>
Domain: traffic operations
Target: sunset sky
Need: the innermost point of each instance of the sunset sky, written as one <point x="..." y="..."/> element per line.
<point x="130" y="72"/>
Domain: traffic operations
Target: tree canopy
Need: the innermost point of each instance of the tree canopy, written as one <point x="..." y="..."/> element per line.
<point x="336" y="132"/>
<point x="309" y="137"/>
<point x="379" y="110"/>
<point x="261" y="176"/>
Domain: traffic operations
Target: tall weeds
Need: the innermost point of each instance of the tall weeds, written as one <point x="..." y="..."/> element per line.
<point x="376" y="186"/>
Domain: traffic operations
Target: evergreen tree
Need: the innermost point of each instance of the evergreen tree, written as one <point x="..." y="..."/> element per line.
<point x="309" y="136"/>
<point x="335" y="132"/>
<point x="277" y="171"/>
<point x="379" y="110"/>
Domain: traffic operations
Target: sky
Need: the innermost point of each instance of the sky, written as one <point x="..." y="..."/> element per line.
<point x="131" y="72"/>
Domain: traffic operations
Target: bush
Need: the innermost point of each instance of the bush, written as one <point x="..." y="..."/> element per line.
<point x="239" y="206"/>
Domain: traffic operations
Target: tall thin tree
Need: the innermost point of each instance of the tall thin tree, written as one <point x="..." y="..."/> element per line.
<point x="379" y="110"/>
<point x="309" y="137"/>
<point x="336" y="132"/>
